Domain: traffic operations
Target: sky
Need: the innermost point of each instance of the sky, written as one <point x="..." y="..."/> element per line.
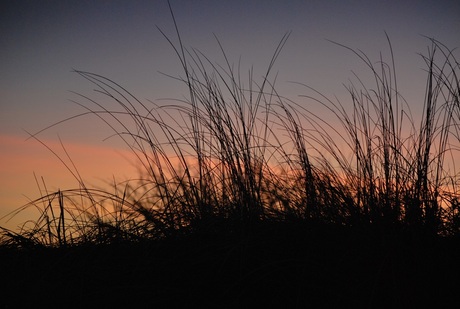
<point x="44" y="41"/>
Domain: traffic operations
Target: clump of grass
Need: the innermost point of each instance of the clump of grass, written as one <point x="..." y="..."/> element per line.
<point x="397" y="173"/>
<point x="217" y="162"/>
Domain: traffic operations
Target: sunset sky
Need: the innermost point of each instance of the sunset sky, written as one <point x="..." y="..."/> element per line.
<point x="43" y="41"/>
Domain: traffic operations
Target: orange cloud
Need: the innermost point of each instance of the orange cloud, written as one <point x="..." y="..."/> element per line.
<point x="20" y="159"/>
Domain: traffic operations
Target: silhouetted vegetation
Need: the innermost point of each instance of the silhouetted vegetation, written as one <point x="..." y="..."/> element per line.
<point x="244" y="194"/>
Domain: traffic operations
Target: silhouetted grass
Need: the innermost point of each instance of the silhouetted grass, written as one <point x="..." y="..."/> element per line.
<point x="235" y="152"/>
<point x="237" y="165"/>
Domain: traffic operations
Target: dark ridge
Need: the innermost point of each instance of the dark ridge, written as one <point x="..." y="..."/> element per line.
<point x="275" y="265"/>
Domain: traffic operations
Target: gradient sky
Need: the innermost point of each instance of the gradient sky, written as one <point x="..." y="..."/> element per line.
<point x="42" y="41"/>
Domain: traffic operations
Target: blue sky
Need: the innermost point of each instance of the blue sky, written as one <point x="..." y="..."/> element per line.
<point x="42" y="41"/>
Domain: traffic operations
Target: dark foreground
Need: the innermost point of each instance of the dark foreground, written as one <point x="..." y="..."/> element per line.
<point x="272" y="266"/>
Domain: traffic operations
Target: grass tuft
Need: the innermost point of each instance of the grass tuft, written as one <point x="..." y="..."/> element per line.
<point x="235" y="153"/>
